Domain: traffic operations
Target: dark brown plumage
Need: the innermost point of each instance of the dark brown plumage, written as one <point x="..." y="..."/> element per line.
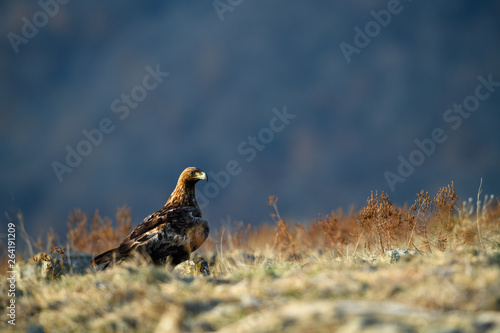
<point x="170" y="234"/>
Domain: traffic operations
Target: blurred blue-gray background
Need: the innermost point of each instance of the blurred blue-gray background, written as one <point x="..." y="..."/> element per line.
<point x="230" y="63"/>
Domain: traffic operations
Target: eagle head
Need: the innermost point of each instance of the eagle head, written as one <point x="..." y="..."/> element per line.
<point x="192" y="175"/>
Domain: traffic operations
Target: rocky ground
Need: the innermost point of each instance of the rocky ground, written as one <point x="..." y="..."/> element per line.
<point x="401" y="291"/>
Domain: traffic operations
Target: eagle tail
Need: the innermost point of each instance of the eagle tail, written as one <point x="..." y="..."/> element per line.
<point x="106" y="258"/>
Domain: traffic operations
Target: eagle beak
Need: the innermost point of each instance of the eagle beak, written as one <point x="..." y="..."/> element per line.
<point x="203" y="176"/>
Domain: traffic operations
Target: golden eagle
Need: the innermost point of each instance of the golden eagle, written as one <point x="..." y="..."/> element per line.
<point x="170" y="234"/>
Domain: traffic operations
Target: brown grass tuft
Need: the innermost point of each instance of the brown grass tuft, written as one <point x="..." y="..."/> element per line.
<point x="285" y="237"/>
<point x="99" y="234"/>
<point x="381" y="222"/>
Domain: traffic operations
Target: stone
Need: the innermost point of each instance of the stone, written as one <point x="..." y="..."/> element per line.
<point x="193" y="267"/>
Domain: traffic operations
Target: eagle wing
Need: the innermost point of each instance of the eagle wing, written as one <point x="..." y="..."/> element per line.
<point x="174" y="215"/>
<point x="162" y="231"/>
<point x="160" y="234"/>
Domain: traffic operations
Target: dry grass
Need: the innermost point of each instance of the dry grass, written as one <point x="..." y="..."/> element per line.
<point x="430" y="223"/>
<point x="332" y="273"/>
<point x="95" y="234"/>
<point x="261" y="292"/>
